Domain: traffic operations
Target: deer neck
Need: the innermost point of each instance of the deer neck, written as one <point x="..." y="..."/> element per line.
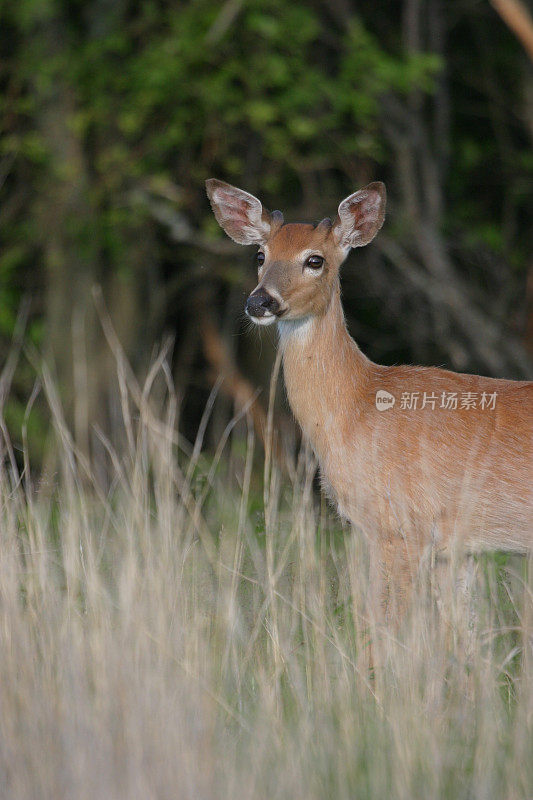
<point x="325" y="374"/>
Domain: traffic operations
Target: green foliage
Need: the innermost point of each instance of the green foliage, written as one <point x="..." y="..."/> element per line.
<point x="101" y="102"/>
<point x="185" y="87"/>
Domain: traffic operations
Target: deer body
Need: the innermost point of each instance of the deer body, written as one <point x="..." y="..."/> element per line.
<point x="408" y="478"/>
<point x="437" y="472"/>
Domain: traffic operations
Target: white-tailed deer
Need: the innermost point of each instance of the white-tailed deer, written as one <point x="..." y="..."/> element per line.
<point x="415" y="457"/>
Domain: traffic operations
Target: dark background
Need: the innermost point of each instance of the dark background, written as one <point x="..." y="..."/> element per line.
<point x="114" y="112"/>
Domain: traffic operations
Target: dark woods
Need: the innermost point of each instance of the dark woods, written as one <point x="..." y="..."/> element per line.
<point x="113" y="114"/>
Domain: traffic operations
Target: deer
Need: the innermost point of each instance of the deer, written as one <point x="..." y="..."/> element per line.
<point x="419" y="459"/>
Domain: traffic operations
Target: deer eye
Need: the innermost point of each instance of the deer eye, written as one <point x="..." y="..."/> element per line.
<point x="314" y="262"/>
<point x="260" y="259"/>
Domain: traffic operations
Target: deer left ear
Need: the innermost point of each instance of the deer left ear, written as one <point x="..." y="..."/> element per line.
<point x="239" y="213"/>
<point x="360" y="216"/>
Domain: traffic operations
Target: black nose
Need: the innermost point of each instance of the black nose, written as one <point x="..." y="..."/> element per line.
<point x="259" y="302"/>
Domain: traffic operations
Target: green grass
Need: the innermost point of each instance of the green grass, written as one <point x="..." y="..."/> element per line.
<point x="169" y="628"/>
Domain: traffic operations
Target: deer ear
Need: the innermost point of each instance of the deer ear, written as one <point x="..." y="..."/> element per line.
<point x="240" y="214"/>
<point x="360" y="216"/>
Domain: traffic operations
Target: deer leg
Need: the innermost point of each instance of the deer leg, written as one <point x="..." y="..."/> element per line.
<point x="456" y="588"/>
<point x="399" y="568"/>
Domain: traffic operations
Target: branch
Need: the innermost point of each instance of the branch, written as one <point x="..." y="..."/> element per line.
<point x="517" y="17"/>
<point x="235" y="385"/>
<point x="486" y="337"/>
<point x="179" y="228"/>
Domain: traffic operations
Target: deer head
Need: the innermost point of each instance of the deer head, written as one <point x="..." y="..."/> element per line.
<point x="298" y="264"/>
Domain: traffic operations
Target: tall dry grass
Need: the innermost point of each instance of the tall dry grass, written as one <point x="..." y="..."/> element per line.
<point x="178" y="630"/>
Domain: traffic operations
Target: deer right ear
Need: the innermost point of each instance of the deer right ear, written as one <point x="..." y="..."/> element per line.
<point x="360" y="216"/>
<point x="240" y="214"/>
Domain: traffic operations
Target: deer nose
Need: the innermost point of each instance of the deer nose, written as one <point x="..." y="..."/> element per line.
<point x="260" y="302"/>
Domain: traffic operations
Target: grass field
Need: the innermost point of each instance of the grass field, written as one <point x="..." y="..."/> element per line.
<point x="183" y="628"/>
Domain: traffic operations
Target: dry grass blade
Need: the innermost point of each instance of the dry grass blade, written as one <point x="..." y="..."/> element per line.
<point x="165" y="639"/>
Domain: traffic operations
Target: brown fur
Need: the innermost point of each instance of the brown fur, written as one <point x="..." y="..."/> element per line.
<point x="410" y="480"/>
